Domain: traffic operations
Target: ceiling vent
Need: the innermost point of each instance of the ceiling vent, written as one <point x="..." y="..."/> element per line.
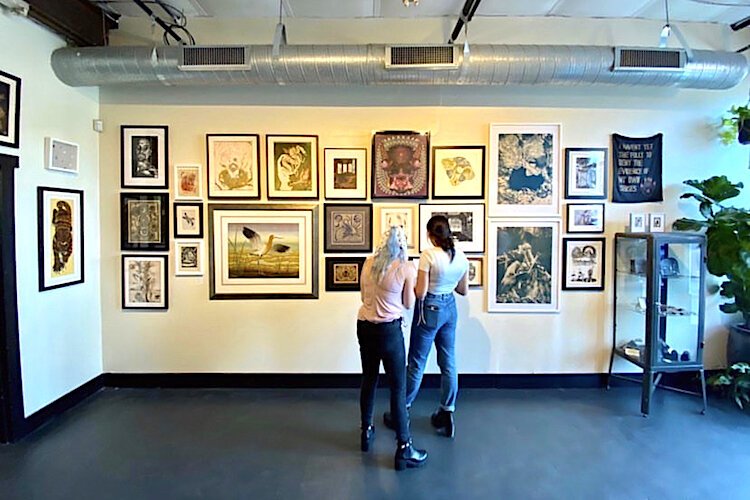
<point x="649" y="59"/>
<point x="230" y="57"/>
<point x="421" y="56"/>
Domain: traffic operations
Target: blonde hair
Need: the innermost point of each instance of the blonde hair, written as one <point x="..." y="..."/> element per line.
<point x="392" y="248"/>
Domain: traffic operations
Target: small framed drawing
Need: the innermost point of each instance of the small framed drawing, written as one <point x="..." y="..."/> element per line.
<point x="583" y="263"/>
<point x="144" y="221"/>
<point x="188" y="220"/>
<point x="60" y="231"/>
<point x="188" y="181"/>
<point x="144" y="153"/>
<point x="637" y="222"/>
<point x="61" y="155"/>
<point x="292" y="166"/>
<point x="586" y="173"/>
<point x="466" y="222"/>
<point x="345" y="173"/>
<point x="400" y="164"/>
<point x="144" y="282"/>
<point x="347" y="228"/>
<point x="458" y="172"/>
<point x="343" y="273"/>
<point x="585" y="218"/>
<point x="397" y="215"/>
<point x="188" y="258"/>
<point x="656" y="222"/>
<point x="10" y="110"/>
<point x="232" y="162"/>
<point x="476" y="270"/>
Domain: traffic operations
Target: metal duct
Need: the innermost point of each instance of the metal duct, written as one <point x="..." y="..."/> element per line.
<point x="365" y="65"/>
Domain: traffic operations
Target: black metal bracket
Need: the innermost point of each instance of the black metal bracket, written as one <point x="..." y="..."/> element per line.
<point x="467" y="13"/>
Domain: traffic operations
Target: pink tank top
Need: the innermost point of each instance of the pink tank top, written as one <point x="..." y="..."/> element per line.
<point x="382" y="302"/>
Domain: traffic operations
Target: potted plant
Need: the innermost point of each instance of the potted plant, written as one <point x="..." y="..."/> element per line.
<point x="735" y="126"/>
<point x="734" y="382"/>
<point x="727" y="253"/>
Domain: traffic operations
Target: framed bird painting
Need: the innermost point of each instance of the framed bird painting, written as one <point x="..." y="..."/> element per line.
<point x="263" y="251"/>
<point x="348" y="227"/>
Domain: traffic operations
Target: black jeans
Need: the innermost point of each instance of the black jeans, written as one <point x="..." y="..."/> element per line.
<point x="383" y="342"/>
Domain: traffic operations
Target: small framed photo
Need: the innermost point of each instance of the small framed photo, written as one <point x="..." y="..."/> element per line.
<point x="188" y="181"/>
<point x="343" y="273"/>
<point x="10" y="110"/>
<point x="60" y="230"/>
<point x="458" y="172"/>
<point x="400" y="164"/>
<point x="637" y="222"/>
<point x="144" y="282"/>
<point x="405" y="216"/>
<point x="144" y="221"/>
<point x="189" y="258"/>
<point x="232" y="162"/>
<point x="292" y="166"/>
<point x="466" y="223"/>
<point x="585" y="218"/>
<point x="345" y="173"/>
<point x="347" y="228"/>
<point x="476" y="270"/>
<point x="188" y="220"/>
<point x="656" y="222"/>
<point x="586" y="173"/>
<point x="583" y="263"/>
<point x="61" y="155"/>
<point x="144" y="152"/>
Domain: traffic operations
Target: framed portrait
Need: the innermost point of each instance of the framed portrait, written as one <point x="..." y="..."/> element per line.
<point x="188" y="258"/>
<point x="60" y="232"/>
<point x="292" y="166"/>
<point x="233" y="166"/>
<point x="524" y="171"/>
<point x="10" y="110"/>
<point x="188" y="181"/>
<point x="347" y="227"/>
<point x="60" y="155"/>
<point x="188" y="220"/>
<point x="343" y="273"/>
<point x="585" y="218"/>
<point x="476" y="271"/>
<point x="458" y="172"/>
<point x="144" y="153"/>
<point x="522" y="270"/>
<point x="345" y="173"/>
<point x="144" y="221"/>
<point x="144" y="282"/>
<point x="466" y="222"/>
<point x="263" y="251"/>
<point x="586" y="173"/>
<point x="400" y="164"/>
<point x="656" y="222"/>
<point x="583" y="264"/>
<point x="405" y="216"/>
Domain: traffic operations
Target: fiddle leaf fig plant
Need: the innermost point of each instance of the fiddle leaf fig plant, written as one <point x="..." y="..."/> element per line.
<point x="735" y="381"/>
<point x="732" y="124"/>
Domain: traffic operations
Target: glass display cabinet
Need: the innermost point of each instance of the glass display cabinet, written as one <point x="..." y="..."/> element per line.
<point x="659" y="307"/>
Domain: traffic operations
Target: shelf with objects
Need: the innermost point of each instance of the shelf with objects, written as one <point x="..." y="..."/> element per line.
<point x="659" y="308"/>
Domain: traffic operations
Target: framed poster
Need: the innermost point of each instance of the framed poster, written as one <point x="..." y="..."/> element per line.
<point x="144" y="153"/>
<point x="60" y="232"/>
<point x="345" y="173"/>
<point x="585" y="218"/>
<point x="188" y="181"/>
<point x="292" y="166"/>
<point x="263" y="251"/>
<point x="583" y="264"/>
<point x="233" y="166"/>
<point x="523" y="273"/>
<point x="405" y="216"/>
<point x="400" y="164"/>
<point x="476" y="270"/>
<point x="144" y="221"/>
<point x="188" y="258"/>
<point x="458" y="172"/>
<point x="10" y="110"/>
<point x="188" y="220"/>
<point x="586" y="173"/>
<point x="466" y="222"/>
<point x="347" y="228"/>
<point x="524" y="171"/>
<point x="144" y="282"/>
<point x="343" y="273"/>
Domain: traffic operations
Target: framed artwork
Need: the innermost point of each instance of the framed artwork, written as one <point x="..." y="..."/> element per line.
<point x="656" y="222"/>
<point x="189" y="258"/>
<point x="476" y="270"/>
<point x="292" y="166"/>
<point x="144" y="221"/>
<point x="60" y="155"/>
<point x="586" y="173"/>
<point x="188" y="220"/>
<point x="523" y="274"/>
<point x="188" y="181"/>
<point x="466" y="222"/>
<point x="343" y="273"/>
<point x="60" y="231"/>
<point x="347" y="228"/>
<point x="637" y="222"/>
<point x="524" y="171"/>
<point x="144" y="282"/>
<point x="398" y="215"/>
<point x="583" y="264"/>
<point x="10" y="110"/>
<point x="144" y="155"/>
<point x="458" y="172"/>
<point x="585" y="218"/>
<point x="345" y="173"/>
<point x="400" y="164"/>
<point x="263" y="251"/>
<point x="232" y="162"/>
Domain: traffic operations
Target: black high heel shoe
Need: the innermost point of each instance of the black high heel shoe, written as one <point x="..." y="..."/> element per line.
<point x="367" y="437"/>
<point x="407" y="456"/>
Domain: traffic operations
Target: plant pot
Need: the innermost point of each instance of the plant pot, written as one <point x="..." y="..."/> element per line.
<point x="743" y="132"/>
<point x="738" y="345"/>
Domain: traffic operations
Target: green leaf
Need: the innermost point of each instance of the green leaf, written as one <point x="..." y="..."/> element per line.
<point x="688" y="225"/>
<point x="717" y="188"/>
<point x="729" y="308"/>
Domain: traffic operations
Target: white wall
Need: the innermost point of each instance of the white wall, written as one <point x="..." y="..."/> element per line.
<point x="60" y="330"/>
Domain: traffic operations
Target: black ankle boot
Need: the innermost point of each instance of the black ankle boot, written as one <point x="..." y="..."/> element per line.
<point x="388" y="421"/>
<point x="407" y="456"/>
<point x="367" y="437"/>
<point x="442" y="420"/>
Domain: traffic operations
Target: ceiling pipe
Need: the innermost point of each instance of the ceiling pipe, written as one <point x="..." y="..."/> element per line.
<point x="467" y="14"/>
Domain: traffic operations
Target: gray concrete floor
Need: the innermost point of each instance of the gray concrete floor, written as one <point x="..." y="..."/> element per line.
<point x="290" y="444"/>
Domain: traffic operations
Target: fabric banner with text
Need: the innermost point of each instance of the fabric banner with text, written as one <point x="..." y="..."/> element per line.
<point x="637" y="169"/>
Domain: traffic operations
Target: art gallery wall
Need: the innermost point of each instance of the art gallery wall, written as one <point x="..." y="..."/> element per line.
<point x="60" y="330"/>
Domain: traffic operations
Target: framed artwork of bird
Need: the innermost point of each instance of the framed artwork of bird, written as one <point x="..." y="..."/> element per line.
<point x="347" y="227"/>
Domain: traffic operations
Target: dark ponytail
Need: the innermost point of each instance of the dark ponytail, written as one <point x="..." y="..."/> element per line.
<point x="439" y="229"/>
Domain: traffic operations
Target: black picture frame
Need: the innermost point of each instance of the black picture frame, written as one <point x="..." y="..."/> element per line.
<point x="10" y="136"/>
<point x="163" y="213"/>
<point x="568" y="217"/>
<point x="328" y="228"/>
<point x="478" y="175"/>
<point x="164" y="276"/>
<point x="604" y="168"/>
<point x="378" y="139"/>
<point x="212" y="194"/>
<point x="601" y="262"/>
<point x="162" y="159"/>
<point x="68" y="227"/>
<point x="331" y="271"/>
<point x="177" y="234"/>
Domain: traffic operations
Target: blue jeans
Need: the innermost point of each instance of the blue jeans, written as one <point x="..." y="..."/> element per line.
<point x="434" y="321"/>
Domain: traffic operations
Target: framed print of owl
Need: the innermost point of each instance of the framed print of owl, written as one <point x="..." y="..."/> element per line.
<point x="400" y="164"/>
<point x="144" y="152"/>
<point x="458" y="172"/>
<point x="60" y="229"/>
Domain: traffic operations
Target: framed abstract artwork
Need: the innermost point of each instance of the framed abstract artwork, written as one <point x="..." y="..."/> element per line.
<point x="292" y="166"/>
<point x="60" y="232"/>
<point x="347" y="227"/>
<point x="188" y="258"/>
<point x="10" y="110"/>
<point x="406" y="216"/>
<point x="233" y="166"/>
<point x="343" y="273"/>
<point x="144" y="154"/>
<point x="476" y="270"/>
<point x="188" y="220"/>
<point x="586" y="173"/>
<point x="458" y="172"/>
<point x="466" y="222"/>
<point x="60" y="155"/>
<point x="263" y="251"/>
<point x="583" y="263"/>
<point x="144" y="282"/>
<point x="400" y="164"/>
<point x="144" y="221"/>
<point x="585" y="218"/>
<point x="345" y="173"/>
<point x="188" y="182"/>
<point x="524" y="171"/>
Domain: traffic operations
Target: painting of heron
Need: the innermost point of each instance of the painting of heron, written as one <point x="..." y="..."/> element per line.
<point x="263" y="250"/>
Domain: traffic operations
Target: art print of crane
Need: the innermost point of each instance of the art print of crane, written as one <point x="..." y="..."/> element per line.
<point x="256" y="251"/>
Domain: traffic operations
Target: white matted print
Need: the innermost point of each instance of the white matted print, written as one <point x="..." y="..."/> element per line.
<point x="466" y="222"/>
<point x="345" y="173"/>
<point x="233" y="166"/>
<point x="586" y="173"/>
<point x="583" y="264"/>
<point x="144" y="282"/>
<point x="458" y="172"/>
<point x="397" y="215"/>
<point x="188" y="182"/>
<point x="476" y="270"/>
<point x="637" y="222"/>
<point x="60" y="229"/>
<point x="188" y="220"/>
<point x="585" y="218"/>
<point x="144" y="156"/>
<point x="188" y="258"/>
<point x="656" y="222"/>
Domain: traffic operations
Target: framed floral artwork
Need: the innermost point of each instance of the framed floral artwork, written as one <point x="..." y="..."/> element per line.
<point x="188" y="220"/>
<point x="343" y="273"/>
<point x="400" y="164"/>
<point x="292" y="166"/>
<point x="233" y="166"/>
<point x="347" y="227"/>
<point x="188" y="258"/>
<point x="144" y="221"/>
<point x="60" y="231"/>
<point x="144" y="153"/>
<point x="406" y="216"/>
<point x="188" y="181"/>
<point x="583" y="263"/>
<point x="10" y="110"/>
<point x="458" y="172"/>
<point x="586" y="173"/>
<point x="144" y="282"/>
<point x="345" y="173"/>
<point x="465" y="220"/>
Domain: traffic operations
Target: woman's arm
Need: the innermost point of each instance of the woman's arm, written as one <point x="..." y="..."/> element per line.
<point x="407" y="295"/>
<point x="423" y="281"/>
<point x="463" y="284"/>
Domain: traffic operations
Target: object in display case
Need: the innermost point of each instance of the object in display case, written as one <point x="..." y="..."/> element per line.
<point x="292" y="166"/>
<point x="669" y="267"/>
<point x="637" y="222"/>
<point x="400" y="164"/>
<point x="634" y="348"/>
<point x="144" y="156"/>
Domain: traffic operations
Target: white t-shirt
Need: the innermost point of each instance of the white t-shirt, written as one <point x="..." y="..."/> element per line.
<point x="444" y="274"/>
